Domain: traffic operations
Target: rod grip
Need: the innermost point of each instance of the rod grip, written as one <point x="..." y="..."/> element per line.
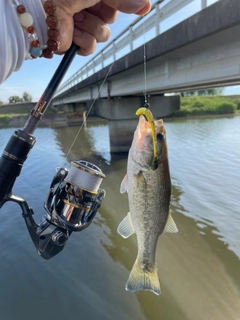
<point x="12" y="159"/>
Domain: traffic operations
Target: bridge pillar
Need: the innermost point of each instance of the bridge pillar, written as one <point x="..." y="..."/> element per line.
<point x="121" y="114"/>
<point x="72" y="107"/>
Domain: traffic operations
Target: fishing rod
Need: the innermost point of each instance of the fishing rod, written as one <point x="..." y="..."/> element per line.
<point x="74" y="195"/>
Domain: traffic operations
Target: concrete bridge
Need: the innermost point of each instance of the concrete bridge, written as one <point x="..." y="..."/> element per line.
<point x="202" y="51"/>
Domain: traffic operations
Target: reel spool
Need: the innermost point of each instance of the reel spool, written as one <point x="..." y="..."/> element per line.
<point x="75" y="196"/>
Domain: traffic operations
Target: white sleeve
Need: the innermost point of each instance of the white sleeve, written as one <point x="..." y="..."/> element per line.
<point x="14" y="43"/>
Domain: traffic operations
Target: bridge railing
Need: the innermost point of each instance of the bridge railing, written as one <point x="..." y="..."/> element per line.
<point x="132" y="37"/>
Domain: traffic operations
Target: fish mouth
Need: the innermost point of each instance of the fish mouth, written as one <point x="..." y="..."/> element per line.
<point x="149" y="117"/>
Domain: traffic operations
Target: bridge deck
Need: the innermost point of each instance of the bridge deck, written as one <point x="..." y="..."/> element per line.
<point x="201" y="51"/>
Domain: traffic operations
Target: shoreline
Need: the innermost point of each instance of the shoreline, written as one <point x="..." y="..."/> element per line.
<point x="49" y="121"/>
<point x="64" y="120"/>
<point x="202" y="116"/>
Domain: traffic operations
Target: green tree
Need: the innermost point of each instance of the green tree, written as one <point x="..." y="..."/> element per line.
<point x="14" y="99"/>
<point x="206" y="92"/>
<point x="26" y="97"/>
<point x="1" y="102"/>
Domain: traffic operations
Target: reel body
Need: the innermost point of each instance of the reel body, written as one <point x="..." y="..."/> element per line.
<point x="71" y="205"/>
<point x="75" y="196"/>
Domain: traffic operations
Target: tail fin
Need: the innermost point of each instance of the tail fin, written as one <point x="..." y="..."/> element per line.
<point x="143" y="280"/>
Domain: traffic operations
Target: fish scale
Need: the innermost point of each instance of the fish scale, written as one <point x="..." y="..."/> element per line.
<point x="149" y="231"/>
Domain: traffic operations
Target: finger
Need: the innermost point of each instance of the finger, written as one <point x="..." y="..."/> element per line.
<point x="73" y="6"/>
<point x="65" y="28"/>
<point x="127" y="6"/>
<point x="104" y="12"/>
<point x="144" y="10"/>
<point x="85" y="41"/>
<point x="92" y="24"/>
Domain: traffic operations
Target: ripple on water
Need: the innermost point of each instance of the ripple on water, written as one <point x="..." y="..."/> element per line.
<point x="204" y="155"/>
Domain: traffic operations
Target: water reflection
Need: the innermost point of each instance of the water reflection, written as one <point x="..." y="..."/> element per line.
<point x="90" y="141"/>
<point x="207" y="151"/>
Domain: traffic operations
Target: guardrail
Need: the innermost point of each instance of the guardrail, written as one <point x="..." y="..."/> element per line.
<point x="132" y="37"/>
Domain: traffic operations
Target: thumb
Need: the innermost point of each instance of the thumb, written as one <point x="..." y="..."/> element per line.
<point x="144" y="10"/>
<point x="140" y="7"/>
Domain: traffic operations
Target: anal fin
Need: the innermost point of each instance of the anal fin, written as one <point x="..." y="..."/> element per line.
<point x="170" y="225"/>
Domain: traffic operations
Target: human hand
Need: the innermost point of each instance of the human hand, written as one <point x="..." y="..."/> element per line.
<point x="85" y="22"/>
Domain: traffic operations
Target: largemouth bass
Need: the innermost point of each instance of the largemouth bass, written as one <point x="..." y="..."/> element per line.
<point x="148" y="185"/>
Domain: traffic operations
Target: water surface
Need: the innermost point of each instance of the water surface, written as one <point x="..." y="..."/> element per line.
<point x="199" y="268"/>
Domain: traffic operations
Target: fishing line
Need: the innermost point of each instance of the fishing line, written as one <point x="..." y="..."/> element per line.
<point x="144" y="63"/>
<point x="89" y="110"/>
<point x="146" y="104"/>
<point x="94" y="100"/>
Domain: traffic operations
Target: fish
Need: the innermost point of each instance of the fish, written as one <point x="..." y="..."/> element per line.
<point x="148" y="185"/>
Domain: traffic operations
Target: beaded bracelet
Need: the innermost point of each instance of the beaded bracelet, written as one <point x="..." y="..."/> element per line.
<point x="26" y="20"/>
<point x="53" y="43"/>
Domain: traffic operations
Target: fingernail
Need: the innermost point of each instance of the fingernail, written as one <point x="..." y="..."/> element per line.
<point x="144" y="10"/>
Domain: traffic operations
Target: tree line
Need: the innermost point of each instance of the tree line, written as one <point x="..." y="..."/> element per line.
<point x="204" y="92"/>
<point x="26" y="97"/>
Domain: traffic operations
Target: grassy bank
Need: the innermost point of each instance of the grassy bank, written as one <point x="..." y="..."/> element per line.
<point x="4" y="119"/>
<point x="10" y="111"/>
<point x="207" y="105"/>
<point x="189" y="106"/>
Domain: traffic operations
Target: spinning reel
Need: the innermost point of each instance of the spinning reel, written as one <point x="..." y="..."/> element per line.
<point x="75" y="194"/>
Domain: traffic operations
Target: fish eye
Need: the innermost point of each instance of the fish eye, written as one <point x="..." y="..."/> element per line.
<point x="160" y="136"/>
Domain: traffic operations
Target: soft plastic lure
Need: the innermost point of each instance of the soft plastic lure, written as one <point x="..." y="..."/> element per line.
<point x="148" y="115"/>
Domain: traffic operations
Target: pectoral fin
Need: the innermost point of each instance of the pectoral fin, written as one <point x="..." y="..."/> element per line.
<point x="125" y="228"/>
<point x="170" y="225"/>
<point x="124" y="184"/>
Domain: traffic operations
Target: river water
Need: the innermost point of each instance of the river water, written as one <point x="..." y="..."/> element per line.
<point x="199" y="267"/>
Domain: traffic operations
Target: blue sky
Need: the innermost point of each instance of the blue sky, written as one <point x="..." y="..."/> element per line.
<point x="35" y="75"/>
